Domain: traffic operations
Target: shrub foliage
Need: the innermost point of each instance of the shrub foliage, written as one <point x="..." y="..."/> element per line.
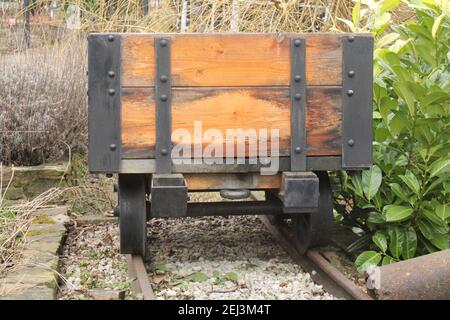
<point x="402" y="202"/>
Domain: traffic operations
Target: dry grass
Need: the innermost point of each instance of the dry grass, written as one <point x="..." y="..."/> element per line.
<point x="14" y="223"/>
<point x="213" y="15"/>
<point x="43" y="103"/>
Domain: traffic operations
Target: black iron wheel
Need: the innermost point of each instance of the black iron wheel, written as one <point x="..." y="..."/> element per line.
<point x="314" y="229"/>
<point x="133" y="214"/>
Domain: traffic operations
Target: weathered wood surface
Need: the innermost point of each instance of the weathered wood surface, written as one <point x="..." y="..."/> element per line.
<point x="232" y="59"/>
<point x="233" y="108"/>
<point x="218" y="181"/>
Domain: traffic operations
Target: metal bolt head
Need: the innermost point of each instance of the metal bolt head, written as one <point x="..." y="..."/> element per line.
<point x="164" y="78"/>
<point x="163" y="42"/>
<point x="351" y="142"/>
<point x="350" y="93"/>
<point x="164" y="152"/>
<point x="351" y="73"/>
<point x="298" y="150"/>
<point x="164" y="97"/>
<point x="111" y="92"/>
<point x="111" y="74"/>
<point x="297" y="96"/>
<point x="351" y="38"/>
<point x="110" y="38"/>
<point x="112" y="147"/>
<point x="297" y="78"/>
<point x="297" y="42"/>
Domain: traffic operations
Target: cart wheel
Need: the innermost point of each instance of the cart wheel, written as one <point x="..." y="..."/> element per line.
<point x="133" y="214"/>
<point x="314" y="229"/>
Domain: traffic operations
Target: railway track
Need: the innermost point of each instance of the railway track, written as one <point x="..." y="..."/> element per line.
<point x="320" y="269"/>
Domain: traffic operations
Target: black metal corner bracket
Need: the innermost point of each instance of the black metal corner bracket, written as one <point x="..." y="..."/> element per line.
<point x="163" y="98"/>
<point x="357" y="73"/>
<point x="298" y="104"/>
<point x="104" y="57"/>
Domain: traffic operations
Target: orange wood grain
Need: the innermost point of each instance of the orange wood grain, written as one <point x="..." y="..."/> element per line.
<point x="232" y="59"/>
<point x="232" y="108"/>
<point x="218" y="181"/>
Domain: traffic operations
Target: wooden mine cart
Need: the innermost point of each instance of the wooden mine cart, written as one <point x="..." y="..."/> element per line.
<point x="313" y="91"/>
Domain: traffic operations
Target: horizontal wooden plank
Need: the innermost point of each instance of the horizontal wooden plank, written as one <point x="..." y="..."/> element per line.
<point x="232" y="59"/>
<point x="232" y="108"/>
<point x="218" y="181"/>
<point x="148" y="166"/>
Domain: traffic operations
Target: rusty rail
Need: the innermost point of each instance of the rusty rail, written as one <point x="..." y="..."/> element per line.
<point x="137" y="272"/>
<point x="313" y="262"/>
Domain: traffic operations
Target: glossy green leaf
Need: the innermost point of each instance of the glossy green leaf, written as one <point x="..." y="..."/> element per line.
<point x="396" y="240"/>
<point x="440" y="166"/>
<point x="410" y="244"/>
<point x="389" y="5"/>
<point x="398" y="191"/>
<point x="366" y="259"/>
<point x="426" y="228"/>
<point x="436" y="25"/>
<point x="411" y="181"/>
<point x="394" y="213"/>
<point x="380" y="239"/>
<point x="371" y="181"/>
<point x="404" y="92"/>
<point x="443" y="211"/>
<point x="375" y="218"/>
<point x="440" y="241"/>
<point x="387" y="260"/>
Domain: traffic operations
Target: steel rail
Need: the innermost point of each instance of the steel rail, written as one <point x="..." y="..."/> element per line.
<point x="137" y="272"/>
<point x="314" y="263"/>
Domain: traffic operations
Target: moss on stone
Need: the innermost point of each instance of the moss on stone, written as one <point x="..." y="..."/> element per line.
<point x="31" y="233"/>
<point x="43" y="220"/>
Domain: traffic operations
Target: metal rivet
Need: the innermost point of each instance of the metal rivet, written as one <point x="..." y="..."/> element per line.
<point x="112" y="147"/>
<point x="297" y="78"/>
<point x="298" y="149"/>
<point x="164" y="152"/>
<point x="163" y="78"/>
<point x="351" y="38"/>
<point x="111" y="74"/>
<point x="350" y="93"/>
<point x="110" y="38"/>
<point x="297" y="42"/>
<point x="351" y="73"/>
<point x="111" y="92"/>
<point x="163" y="42"/>
<point x="351" y="142"/>
<point x="298" y="96"/>
<point x="163" y="97"/>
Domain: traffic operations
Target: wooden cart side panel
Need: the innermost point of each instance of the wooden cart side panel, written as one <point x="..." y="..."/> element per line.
<point x="233" y="108"/>
<point x="232" y="60"/>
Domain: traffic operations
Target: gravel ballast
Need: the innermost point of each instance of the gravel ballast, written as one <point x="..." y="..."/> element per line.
<point x="189" y="258"/>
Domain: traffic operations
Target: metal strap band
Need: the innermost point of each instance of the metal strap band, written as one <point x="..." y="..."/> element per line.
<point x="163" y="98"/>
<point x="104" y="102"/>
<point x="357" y="73"/>
<point x="298" y="104"/>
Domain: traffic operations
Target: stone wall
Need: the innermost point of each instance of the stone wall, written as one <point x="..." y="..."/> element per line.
<point x="29" y="182"/>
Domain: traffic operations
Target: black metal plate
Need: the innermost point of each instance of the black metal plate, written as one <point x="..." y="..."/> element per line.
<point x="357" y="72"/>
<point x="104" y="103"/>
<point x="298" y="104"/>
<point x="163" y="99"/>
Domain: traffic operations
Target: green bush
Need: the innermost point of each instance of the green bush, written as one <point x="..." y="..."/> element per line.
<point x="401" y="205"/>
